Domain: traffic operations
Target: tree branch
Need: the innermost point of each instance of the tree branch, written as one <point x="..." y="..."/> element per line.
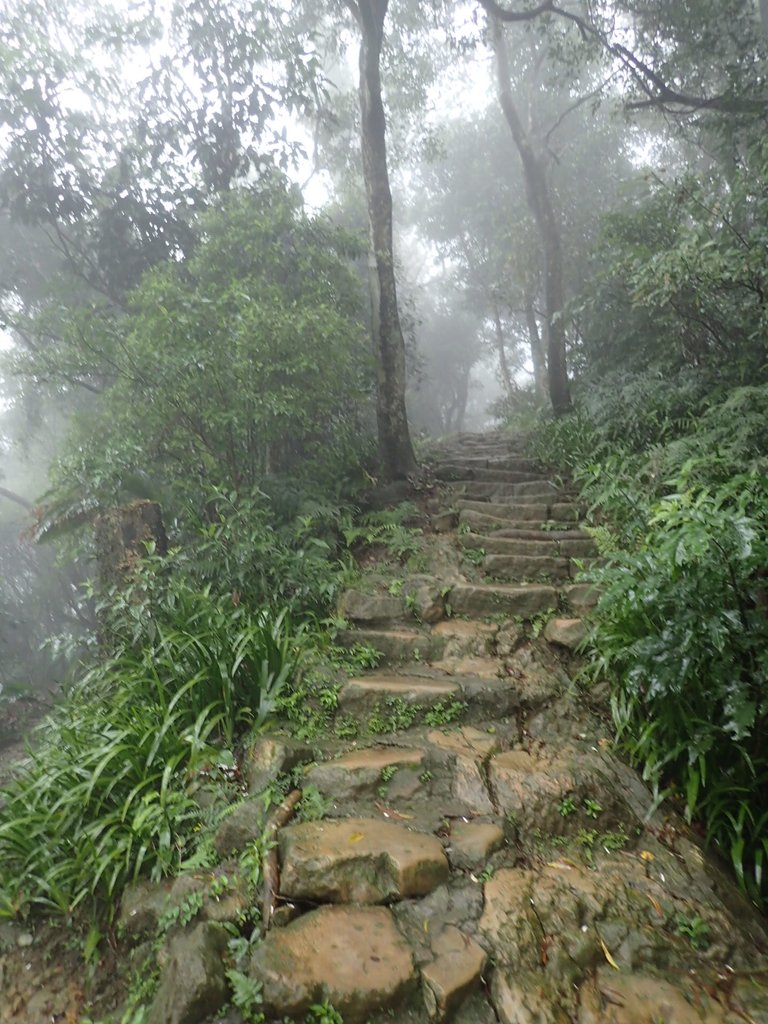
<point x="579" y="102"/>
<point x="12" y="496"/>
<point x="492" y="8"/>
<point x="659" y="93"/>
<point x="353" y="9"/>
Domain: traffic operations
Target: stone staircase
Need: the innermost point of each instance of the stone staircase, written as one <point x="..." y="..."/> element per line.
<point x="482" y="855"/>
<point x="490" y="859"/>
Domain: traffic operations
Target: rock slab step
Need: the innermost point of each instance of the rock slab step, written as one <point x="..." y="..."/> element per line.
<point x="360" y="771"/>
<point x="358" y="860"/>
<point x="492" y="599"/>
<point x="352" y="956"/>
<point x="452" y="975"/>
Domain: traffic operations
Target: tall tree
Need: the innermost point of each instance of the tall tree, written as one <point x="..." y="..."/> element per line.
<point x="535" y="161"/>
<point x="395" y="447"/>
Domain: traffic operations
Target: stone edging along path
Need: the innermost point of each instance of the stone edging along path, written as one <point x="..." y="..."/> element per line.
<point x="485" y="857"/>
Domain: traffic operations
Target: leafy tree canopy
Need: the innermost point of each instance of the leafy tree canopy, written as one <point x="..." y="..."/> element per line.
<point x="239" y="362"/>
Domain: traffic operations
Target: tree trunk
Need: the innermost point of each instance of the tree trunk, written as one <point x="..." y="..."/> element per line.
<point x="764" y="15"/>
<point x="506" y="376"/>
<point x="122" y="536"/>
<point x="538" y="355"/>
<point x="540" y="202"/>
<point x="462" y="395"/>
<point x="395" y="448"/>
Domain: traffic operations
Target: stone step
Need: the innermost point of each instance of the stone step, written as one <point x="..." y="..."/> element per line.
<point x="534" y="490"/>
<point x="558" y="535"/>
<point x="394" y="645"/>
<point x="353" y="957"/>
<point x="454" y="638"/>
<point x="522" y="510"/>
<point x="371" y="607"/>
<point x="486" y="599"/>
<point x="466" y="688"/>
<point x="528" y="544"/>
<point x="527" y="567"/>
<point x="515" y="463"/>
<point x="500" y="516"/>
<point x="450" y="473"/>
<point x="360" y="772"/>
<point x="358" y="860"/>
<point x="360" y="696"/>
<point x="581" y="598"/>
<point x="451" y="638"/>
<point x="565" y="632"/>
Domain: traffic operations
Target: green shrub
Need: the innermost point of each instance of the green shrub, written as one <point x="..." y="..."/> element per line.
<point x="109" y="793"/>
<point x="682" y="633"/>
<point x="243" y="547"/>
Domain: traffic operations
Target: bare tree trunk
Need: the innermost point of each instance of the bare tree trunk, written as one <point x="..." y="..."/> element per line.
<point x="506" y="376"/>
<point x="462" y="395"/>
<point x="764" y="15"/>
<point x="538" y="355"/>
<point x="540" y="202"/>
<point x="395" y="448"/>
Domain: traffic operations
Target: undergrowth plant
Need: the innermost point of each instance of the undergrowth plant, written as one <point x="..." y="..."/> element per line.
<point x="108" y="795"/>
<point x="391" y="528"/>
<point x="679" y="511"/>
<point x="683" y="633"/>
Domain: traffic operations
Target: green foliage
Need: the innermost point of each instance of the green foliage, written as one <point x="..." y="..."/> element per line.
<point x="695" y="929"/>
<point x="323" y="1013"/>
<point x="244" y="361"/>
<point x="392" y="714"/>
<point x="683" y="278"/>
<point x="566" y="806"/>
<point x="444" y="712"/>
<point x="293" y="560"/>
<point x="676" y="487"/>
<point x="246" y="995"/>
<point x="239" y="661"/>
<point x="592" y="808"/>
<point x="103" y="801"/>
<point x="389" y="528"/>
<point x="683" y="632"/>
<point x="313" y="806"/>
<point x="109" y="793"/>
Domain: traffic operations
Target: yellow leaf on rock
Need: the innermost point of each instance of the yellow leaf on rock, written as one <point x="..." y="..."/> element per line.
<point x="563" y="863"/>
<point x="607" y="955"/>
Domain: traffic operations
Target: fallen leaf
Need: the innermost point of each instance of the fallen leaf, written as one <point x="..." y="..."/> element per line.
<point x="655" y="904"/>
<point x="607" y="955"/>
<point x="562" y="863"/>
<point x="390" y="812"/>
<point x="356" y="837"/>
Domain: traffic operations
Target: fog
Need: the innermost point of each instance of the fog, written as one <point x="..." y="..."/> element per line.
<point x="181" y="311"/>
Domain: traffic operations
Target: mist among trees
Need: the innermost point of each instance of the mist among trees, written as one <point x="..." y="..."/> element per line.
<point x="252" y="255"/>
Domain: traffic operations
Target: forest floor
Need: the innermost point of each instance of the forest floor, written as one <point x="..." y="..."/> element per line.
<point x="477" y="852"/>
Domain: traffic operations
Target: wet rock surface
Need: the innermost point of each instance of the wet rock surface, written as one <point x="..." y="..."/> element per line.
<point x="354" y="957"/>
<point x="193" y="981"/>
<point x="359" y="860"/>
<point x="480" y="855"/>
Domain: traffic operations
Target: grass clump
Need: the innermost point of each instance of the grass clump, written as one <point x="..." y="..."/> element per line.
<point x="109" y="793"/>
